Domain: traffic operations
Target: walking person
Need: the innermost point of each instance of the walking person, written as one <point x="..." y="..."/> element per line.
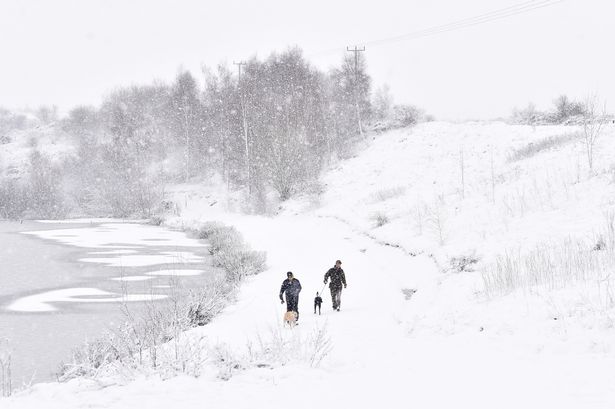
<point x="338" y="279"/>
<point x="291" y="287"/>
<point x="317" y="303"/>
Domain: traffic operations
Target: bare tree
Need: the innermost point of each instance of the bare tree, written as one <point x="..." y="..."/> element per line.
<point x="594" y="118"/>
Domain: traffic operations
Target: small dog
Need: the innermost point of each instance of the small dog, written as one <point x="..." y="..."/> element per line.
<point x="317" y="303"/>
<point x="290" y="318"/>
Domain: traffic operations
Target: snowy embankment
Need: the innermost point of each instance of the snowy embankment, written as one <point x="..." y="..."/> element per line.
<point x="418" y="327"/>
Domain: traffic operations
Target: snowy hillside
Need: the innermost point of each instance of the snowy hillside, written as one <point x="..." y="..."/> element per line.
<point x="18" y="145"/>
<point x="477" y="257"/>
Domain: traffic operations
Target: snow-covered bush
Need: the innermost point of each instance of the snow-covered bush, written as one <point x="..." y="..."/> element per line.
<point x="152" y="339"/>
<point x="156" y="220"/>
<point x="406" y="115"/>
<point x="219" y="237"/>
<point x="379" y="219"/>
<point x="279" y="348"/>
<point x="239" y="262"/>
<point x="463" y="263"/>
<point x="91" y="359"/>
<point x="408" y="292"/>
<point x="185" y="354"/>
<point x="205" y="303"/>
<point x="230" y="252"/>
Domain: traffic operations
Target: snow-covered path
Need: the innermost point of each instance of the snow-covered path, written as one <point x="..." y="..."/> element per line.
<point x="376" y="360"/>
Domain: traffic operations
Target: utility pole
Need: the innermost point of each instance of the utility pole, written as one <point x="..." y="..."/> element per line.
<point x="356" y="52"/>
<point x="239" y="65"/>
<point x="245" y="122"/>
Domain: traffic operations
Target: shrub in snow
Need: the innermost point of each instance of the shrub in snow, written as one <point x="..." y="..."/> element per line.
<point x="379" y="219"/>
<point x="227" y="362"/>
<point x="527" y="116"/>
<point x="90" y="359"/>
<point x="463" y="263"/>
<point x="230" y="252"/>
<point x="600" y="244"/>
<point x="219" y="236"/>
<point x="152" y="339"/>
<point x="156" y="220"/>
<point x="239" y="262"/>
<point x="207" y="302"/>
<point x="408" y="292"/>
<point x="565" y="109"/>
<point x="406" y="115"/>
<point x="279" y="348"/>
<point x="185" y="354"/>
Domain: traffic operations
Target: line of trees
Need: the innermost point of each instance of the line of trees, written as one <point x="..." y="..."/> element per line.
<point x="271" y="129"/>
<point x="564" y="111"/>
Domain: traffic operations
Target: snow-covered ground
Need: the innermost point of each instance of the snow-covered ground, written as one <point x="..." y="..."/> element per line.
<point x="414" y="331"/>
<point x="16" y="150"/>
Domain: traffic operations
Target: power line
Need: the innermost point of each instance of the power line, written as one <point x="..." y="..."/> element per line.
<point x="473" y="21"/>
<point x="483" y="18"/>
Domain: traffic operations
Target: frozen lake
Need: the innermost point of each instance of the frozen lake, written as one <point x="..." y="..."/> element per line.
<point x="62" y="283"/>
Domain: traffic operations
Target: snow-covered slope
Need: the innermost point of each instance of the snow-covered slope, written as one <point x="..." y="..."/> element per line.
<point x="18" y="146"/>
<point x="413" y="331"/>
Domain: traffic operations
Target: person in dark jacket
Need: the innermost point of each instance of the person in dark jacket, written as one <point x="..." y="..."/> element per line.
<point x="317" y="303"/>
<point x="291" y="287"/>
<point x="338" y="279"/>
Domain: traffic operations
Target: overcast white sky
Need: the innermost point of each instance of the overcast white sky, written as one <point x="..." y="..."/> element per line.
<point x="69" y="52"/>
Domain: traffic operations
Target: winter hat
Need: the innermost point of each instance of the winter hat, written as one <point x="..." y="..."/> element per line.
<point x="290" y="273"/>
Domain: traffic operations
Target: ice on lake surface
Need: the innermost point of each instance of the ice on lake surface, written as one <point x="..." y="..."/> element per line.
<point x="165" y="257"/>
<point x="184" y="273"/>
<point x="43" y="302"/>
<point x="113" y="252"/>
<point x="132" y="278"/>
<point x="113" y="235"/>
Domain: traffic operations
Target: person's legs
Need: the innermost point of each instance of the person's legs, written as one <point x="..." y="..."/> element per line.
<point x="293" y="305"/>
<point x="333" y="297"/>
<point x="289" y="303"/>
<point x="338" y="298"/>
